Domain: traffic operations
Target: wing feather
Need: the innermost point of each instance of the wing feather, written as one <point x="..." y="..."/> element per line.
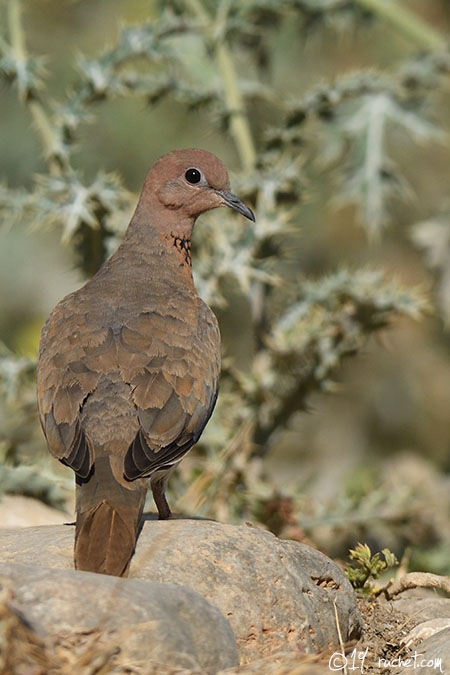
<point x="170" y="364"/>
<point x="174" y="406"/>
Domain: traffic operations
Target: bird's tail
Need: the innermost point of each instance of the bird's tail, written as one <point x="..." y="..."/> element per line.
<point x="108" y="518"/>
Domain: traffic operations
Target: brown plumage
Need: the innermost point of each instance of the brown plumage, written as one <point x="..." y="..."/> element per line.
<point x="128" y="367"/>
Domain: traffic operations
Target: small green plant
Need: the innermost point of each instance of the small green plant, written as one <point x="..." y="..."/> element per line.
<point x="368" y="566"/>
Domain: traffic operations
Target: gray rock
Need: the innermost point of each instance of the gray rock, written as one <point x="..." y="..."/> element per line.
<point x="422" y="606"/>
<point x="277" y="595"/>
<point x="431" y="656"/>
<point x="149" y="622"/>
<point x="425" y="611"/>
<point x="43" y="546"/>
<point x="424" y="630"/>
<point x="20" y="511"/>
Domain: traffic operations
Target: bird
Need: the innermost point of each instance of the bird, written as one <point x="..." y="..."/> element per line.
<point x="129" y="364"/>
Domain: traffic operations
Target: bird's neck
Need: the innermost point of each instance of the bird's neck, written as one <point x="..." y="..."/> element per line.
<point x="160" y="239"/>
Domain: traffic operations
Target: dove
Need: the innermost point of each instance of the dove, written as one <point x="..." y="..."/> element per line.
<point x="129" y="364"/>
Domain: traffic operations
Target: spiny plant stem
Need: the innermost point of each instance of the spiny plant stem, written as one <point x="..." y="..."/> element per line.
<point x="44" y="127"/>
<point x="406" y="21"/>
<point x="239" y="124"/>
<point x="40" y="117"/>
<point x="15" y="28"/>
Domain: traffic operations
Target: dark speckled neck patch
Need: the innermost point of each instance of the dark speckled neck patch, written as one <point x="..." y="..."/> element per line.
<point x="183" y="246"/>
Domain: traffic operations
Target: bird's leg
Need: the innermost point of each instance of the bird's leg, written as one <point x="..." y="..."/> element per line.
<point x="158" y="488"/>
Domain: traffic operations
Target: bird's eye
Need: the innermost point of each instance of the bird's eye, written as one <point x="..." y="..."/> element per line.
<point x="193" y="176"/>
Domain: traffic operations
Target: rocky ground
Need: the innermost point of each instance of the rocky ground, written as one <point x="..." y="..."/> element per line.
<point x="205" y="597"/>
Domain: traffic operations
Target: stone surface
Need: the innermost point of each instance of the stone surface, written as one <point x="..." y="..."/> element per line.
<point x="276" y="594"/>
<point x="422" y="605"/>
<point x="150" y="622"/>
<point x="428" y="642"/>
<point x="19" y="511"/>
<point x="43" y="546"/>
<point x="431" y="656"/>
<point x="425" y="630"/>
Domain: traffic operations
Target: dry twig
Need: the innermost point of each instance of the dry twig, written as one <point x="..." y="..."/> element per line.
<point x="418" y="580"/>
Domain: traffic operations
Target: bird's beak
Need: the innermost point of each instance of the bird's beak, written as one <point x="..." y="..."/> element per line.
<point x="230" y="199"/>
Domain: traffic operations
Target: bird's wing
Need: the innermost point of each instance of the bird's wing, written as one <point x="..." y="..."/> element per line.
<point x="175" y="392"/>
<point x="72" y="356"/>
<point x="170" y="364"/>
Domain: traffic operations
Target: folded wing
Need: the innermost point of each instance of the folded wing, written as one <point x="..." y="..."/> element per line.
<point x="175" y="392"/>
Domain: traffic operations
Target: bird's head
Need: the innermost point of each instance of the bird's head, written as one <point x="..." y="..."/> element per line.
<point x="187" y="183"/>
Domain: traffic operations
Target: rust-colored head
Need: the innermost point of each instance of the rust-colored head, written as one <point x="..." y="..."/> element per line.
<point x="188" y="183"/>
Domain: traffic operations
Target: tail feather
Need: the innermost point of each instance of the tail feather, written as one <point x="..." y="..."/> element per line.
<point x="108" y="518"/>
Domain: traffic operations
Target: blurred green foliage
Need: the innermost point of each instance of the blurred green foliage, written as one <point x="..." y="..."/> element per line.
<point x="366" y="567"/>
<point x="333" y="116"/>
